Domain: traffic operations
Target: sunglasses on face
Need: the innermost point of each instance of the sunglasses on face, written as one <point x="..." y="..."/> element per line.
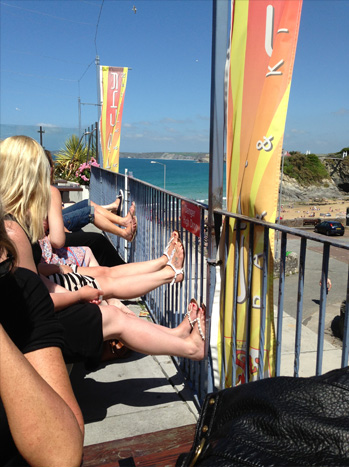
<point x="6" y="265"/>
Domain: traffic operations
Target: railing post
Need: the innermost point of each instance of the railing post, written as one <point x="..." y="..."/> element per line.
<point x="219" y="52"/>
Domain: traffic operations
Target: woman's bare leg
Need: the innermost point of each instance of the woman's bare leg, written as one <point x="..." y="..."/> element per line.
<point x="115" y="219"/>
<point x="106" y="225"/>
<point x="128" y="287"/>
<point x="145" y="337"/>
<point x="143" y="267"/>
<point x="184" y="328"/>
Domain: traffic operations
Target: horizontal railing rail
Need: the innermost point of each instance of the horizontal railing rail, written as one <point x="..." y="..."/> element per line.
<point x="298" y="297"/>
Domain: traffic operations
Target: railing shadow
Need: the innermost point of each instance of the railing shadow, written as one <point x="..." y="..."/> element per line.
<point x="159" y="213"/>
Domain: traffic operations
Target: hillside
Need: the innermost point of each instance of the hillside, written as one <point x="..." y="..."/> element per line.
<point x="308" y="177"/>
<point x="305" y="177"/>
<point x="196" y="156"/>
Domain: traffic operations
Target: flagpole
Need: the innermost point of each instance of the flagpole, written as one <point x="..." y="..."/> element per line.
<point x="99" y="107"/>
<point x="220" y="21"/>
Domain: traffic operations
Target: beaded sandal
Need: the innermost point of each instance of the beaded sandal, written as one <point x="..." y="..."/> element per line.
<point x="169" y="263"/>
<point x="169" y="244"/>
<point x="197" y="319"/>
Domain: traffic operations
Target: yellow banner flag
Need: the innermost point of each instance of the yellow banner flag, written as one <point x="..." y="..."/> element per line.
<point x="113" y="86"/>
<point x="262" y="49"/>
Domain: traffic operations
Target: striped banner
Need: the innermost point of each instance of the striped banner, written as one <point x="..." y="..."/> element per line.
<point x="262" y="49"/>
<point x="113" y="86"/>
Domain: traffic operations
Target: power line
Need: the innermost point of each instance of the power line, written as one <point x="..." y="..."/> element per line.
<point x="100" y="12"/>
<point x="44" y="14"/>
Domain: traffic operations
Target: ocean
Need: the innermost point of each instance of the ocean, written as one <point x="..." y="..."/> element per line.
<point x="186" y="178"/>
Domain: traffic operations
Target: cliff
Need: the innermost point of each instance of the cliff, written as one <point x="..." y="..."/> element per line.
<point x="335" y="187"/>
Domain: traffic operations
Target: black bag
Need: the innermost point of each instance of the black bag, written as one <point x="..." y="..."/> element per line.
<point x="280" y="421"/>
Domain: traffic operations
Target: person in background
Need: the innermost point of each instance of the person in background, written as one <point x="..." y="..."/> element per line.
<point x="79" y="214"/>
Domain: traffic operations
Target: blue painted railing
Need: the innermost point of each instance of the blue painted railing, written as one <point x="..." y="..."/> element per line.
<point x="159" y="213"/>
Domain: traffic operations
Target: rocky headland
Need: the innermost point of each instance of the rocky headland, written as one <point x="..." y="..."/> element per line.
<point x="336" y="186"/>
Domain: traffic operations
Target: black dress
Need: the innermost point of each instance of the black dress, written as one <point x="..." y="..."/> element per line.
<point x="103" y="250"/>
<point x="82" y="324"/>
<point x="28" y="317"/>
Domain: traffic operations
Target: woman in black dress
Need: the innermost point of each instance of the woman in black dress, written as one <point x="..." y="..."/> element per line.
<point x="37" y="405"/>
<point x="86" y="324"/>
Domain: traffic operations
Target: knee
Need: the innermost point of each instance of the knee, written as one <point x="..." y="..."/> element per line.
<point x="102" y="271"/>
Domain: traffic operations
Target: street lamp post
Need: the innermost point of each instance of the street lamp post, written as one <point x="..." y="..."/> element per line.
<point x="164" y="165"/>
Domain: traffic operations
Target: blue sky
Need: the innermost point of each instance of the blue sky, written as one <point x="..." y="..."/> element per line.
<point x="48" y="50"/>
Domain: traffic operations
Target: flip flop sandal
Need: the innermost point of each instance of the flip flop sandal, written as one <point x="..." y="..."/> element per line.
<point x="176" y="271"/>
<point x="192" y="321"/>
<point x="168" y="246"/>
<point x="135" y="232"/>
<point x="198" y="320"/>
<point x="120" y="197"/>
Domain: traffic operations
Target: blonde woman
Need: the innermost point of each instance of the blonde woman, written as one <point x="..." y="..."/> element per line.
<point x="86" y="323"/>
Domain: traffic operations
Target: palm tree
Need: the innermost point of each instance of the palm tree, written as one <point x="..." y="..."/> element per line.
<point x="74" y="150"/>
<point x="69" y="158"/>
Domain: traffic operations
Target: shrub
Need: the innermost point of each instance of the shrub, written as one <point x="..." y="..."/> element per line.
<point x="307" y="170"/>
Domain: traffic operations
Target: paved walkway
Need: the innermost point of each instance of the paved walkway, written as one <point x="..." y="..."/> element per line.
<point x="144" y="394"/>
<point x="128" y="397"/>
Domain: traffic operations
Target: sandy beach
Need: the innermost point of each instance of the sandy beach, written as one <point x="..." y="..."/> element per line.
<point x="323" y="209"/>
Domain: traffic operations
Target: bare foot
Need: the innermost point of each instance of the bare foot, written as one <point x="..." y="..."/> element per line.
<point x="185" y="327"/>
<point x="130" y="230"/>
<point x="170" y="245"/>
<point x="176" y="261"/>
<point x="197" y="337"/>
<point x="115" y="205"/>
<point x="130" y="215"/>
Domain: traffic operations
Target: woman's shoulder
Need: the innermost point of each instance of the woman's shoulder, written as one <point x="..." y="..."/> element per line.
<point x="16" y="232"/>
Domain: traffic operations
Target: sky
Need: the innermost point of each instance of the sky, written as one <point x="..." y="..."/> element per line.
<point x="48" y="50"/>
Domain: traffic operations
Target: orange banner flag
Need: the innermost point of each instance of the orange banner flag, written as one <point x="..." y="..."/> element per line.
<point x="262" y="50"/>
<point x="113" y="86"/>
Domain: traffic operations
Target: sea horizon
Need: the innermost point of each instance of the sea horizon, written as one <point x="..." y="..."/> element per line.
<point x="186" y="178"/>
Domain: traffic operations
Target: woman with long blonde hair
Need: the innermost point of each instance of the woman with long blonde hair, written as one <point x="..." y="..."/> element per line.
<point x="87" y="323"/>
<point x="32" y="185"/>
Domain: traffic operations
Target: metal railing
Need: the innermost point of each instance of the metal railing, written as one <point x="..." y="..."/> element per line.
<point x="159" y="213"/>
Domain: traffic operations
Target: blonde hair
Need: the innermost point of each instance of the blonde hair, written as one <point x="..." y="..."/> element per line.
<point x="6" y="246"/>
<point x="25" y="183"/>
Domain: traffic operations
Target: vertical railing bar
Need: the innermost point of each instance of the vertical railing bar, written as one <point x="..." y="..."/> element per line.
<point x="322" y="311"/>
<point x="263" y="302"/>
<point x="222" y="321"/>
<point x="345" y="349"/>
<point x="249" y="301"/>
<point x="301" y="275"/>
<point x="202" y="255"/>
<point x="280" y="302"/>
<point x="197" y="266"/>
<point x="161" y="300"/>
<point x="234" y="321"/>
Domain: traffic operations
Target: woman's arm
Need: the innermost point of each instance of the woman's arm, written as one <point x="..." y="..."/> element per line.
<point x="49" y="269"/>
<point x="62" y="298"/>
<point x="44" y="418"/>
<point x="55" y="220"/>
